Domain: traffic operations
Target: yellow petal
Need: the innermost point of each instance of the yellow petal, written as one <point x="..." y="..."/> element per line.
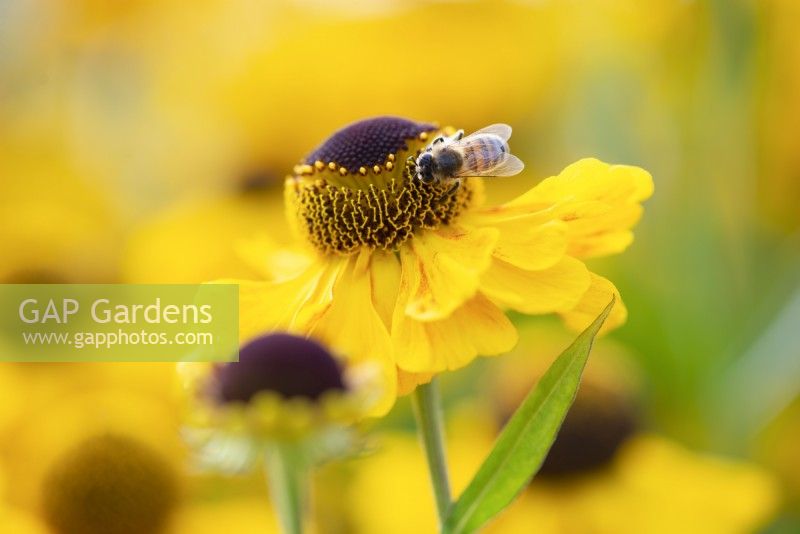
<point x="597" y="229"/>
<point x="593" y="302"/>
<point x="286" y="305"/>
<point x="591" y="179"/>
<point x="354" y="330"/>
<point x="272" y="261"/>
<point x="385" y="272"/>
<point x="476" y="328"/>
<point x="556" y="289"/>
<point x="408" y="382"/>
<point x="442" y="269"/>
<point x="531" y="247"/>
<point x="599" y="202"/>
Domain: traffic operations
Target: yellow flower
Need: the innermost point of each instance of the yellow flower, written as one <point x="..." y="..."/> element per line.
<point x="307" y="71"/>
<point x="44" y="438"/>
<point x="92" y="448"/>
<point x="51" y="409"/>
<point x="110" y="484"/>
<point x="418" y="278"/>
<point x="198" y="240"/>
<point x="53" y="231"/>
<point x="97" y="448"/>
<point x="653" y="485"/>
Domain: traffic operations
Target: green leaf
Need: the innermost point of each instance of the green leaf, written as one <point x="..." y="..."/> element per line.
<point x="523" y="445"/>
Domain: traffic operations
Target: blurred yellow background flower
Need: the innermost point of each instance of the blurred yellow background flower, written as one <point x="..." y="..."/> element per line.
<point x="78" y="429"/>
<point x="655" y="486"/>
<point x="55" y="231"/>
<point x="201" y="240"/>
<point x="45" y="435"/>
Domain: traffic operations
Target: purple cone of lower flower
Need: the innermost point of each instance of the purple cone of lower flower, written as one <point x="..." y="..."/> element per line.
<point x="289" y="365"/>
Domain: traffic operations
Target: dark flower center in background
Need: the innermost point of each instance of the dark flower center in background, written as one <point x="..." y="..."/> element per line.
<point x="257" y="179"/>
<point x="289" y="365"/>
<point x="356" y="190"/>
<point x="110" y="485"/>
<point x="598" y="423"/>
<point x="33" y="276"/>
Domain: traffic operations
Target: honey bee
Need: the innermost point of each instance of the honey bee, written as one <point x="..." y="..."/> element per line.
<point x="483" y="153"/>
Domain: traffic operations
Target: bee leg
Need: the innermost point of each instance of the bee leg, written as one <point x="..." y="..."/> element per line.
<point x="458" y="135"/>
<point x="439" y="139"/>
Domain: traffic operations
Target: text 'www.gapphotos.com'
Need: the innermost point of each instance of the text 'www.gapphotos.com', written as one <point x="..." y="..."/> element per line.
<point x="107" y="340"/>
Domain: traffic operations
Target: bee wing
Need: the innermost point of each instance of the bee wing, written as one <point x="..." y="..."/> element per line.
<point x="503" y="131"/>
<point x="507" y="165"/>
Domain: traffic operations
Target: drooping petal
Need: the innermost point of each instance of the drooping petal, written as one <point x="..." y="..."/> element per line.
<point x="531" y="247"/>
<point x="352" y="327"/>
<point x="442" y="269"/>
<point x="285" y="305"/>
<point x="385" y="273"/>
<point x="556" y="289"/>
<point x="478" y="327"/>
<point x="385" y="286"/>
<point x="597" y="229"/>
<point x="593" y="302"/>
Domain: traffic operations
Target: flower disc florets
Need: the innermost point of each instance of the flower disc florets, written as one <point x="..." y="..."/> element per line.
<point x="357" y="188"/>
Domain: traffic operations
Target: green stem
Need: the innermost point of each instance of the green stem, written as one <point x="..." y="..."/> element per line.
<point x="428" y="412"/>
<point x="287" y="474"/>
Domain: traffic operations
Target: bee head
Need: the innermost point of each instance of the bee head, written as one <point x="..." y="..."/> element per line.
<point x="425" y="167"/>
